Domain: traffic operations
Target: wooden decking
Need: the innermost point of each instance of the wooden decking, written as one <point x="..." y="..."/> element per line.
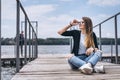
<point x="55" y="67"/>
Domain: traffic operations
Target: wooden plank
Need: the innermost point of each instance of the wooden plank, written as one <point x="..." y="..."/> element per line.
<point x="55" y="67"/>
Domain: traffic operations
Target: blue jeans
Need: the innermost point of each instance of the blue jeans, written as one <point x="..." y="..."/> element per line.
<point x="77" y="61"/>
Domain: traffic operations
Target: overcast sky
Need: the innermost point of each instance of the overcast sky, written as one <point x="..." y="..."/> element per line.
<point x="53" y="15"/>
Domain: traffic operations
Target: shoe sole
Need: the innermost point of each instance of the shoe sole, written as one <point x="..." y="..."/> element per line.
<point x="100" y="71"/>
<point x="86" y="71"/>
<point x="103" y="72"/>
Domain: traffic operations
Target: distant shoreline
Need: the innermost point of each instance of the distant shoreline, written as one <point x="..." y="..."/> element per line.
<point x="58" y="41"/>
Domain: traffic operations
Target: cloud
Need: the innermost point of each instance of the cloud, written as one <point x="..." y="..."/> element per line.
<point x="51" y="25"/>
<point x="8" y="18"/>
<point x="99" y="18"/>
<point x="50" y="21"/>
<point x="35" y="11"/>
<point x="8" y="30"/>
<point x="104" y="2"/>
<point x="8" y="9"/>
<point x="48" y="24"/>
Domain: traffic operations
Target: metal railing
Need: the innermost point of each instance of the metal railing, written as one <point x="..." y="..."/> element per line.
<point x="31" y="37"/>
<point x="116" y="34"/>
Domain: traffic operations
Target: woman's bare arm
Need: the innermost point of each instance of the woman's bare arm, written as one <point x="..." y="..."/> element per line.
<point x="73" y="23"/>
<point x="64" y="29"/>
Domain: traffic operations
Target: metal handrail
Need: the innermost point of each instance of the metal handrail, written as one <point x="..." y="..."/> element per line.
<point x="107" y="19"/>
<point x="27" y="17"/>
<point x="31" y="33"/>
<point x="116" y="38"/>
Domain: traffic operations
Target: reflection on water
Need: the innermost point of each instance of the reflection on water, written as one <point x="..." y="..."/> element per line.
<point x="7" y="73"/>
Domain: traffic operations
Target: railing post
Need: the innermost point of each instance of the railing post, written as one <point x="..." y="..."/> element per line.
<point x="116" y="45"/>
<point x="36" y="48"/>
<point x="36" y="51"/>
<point x="111" y="52"/>
<point x="0" y="39"/>
<point x="25" y="40"/>
<point x="71" y="43"/>
<point x="100" y="37"/>
<point x="32" y="46"/>
<point x="36" y="28"/>
<point x="36" y="39"/>
<point x="29" y="43"/>
<point x="17" y="36"/>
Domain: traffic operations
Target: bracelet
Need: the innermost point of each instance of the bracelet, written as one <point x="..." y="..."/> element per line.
<point x="94" y="50"/>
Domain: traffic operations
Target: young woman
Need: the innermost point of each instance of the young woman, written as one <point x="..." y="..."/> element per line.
<point x="85" y="53"/>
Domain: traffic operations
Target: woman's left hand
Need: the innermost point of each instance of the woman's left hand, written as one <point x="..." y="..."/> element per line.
<point x="89" y="51"/>
<point x="69" y="56"/>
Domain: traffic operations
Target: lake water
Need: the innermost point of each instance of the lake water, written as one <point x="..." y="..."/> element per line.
<point x="9" y="51"/>
<point x="53" y="49"/>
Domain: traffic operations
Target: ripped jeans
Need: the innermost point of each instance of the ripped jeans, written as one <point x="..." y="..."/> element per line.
<point x="77" y="61"/>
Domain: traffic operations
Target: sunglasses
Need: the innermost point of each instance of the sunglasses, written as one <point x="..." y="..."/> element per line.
<point x="81" y="22"/>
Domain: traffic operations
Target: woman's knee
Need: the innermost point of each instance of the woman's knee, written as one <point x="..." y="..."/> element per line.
<point x="71" y="59"/>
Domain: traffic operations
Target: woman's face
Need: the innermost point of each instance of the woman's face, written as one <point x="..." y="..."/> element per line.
<point x="82" y="24"/>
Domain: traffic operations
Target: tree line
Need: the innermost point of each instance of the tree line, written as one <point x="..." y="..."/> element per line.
<point x="57" y="41"/>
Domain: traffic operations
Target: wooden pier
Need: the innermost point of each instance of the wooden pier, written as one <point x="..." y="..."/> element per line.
<point x="55" y="67"/>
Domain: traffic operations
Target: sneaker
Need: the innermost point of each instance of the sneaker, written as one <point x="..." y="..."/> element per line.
<point x="86" y="69"/>
<point x="99" y="69"/>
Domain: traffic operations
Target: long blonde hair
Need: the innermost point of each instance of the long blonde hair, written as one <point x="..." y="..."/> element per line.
<point x="89" y="42"/>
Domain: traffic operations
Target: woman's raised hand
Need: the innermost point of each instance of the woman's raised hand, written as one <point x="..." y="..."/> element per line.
<point x="74" y="22"/>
